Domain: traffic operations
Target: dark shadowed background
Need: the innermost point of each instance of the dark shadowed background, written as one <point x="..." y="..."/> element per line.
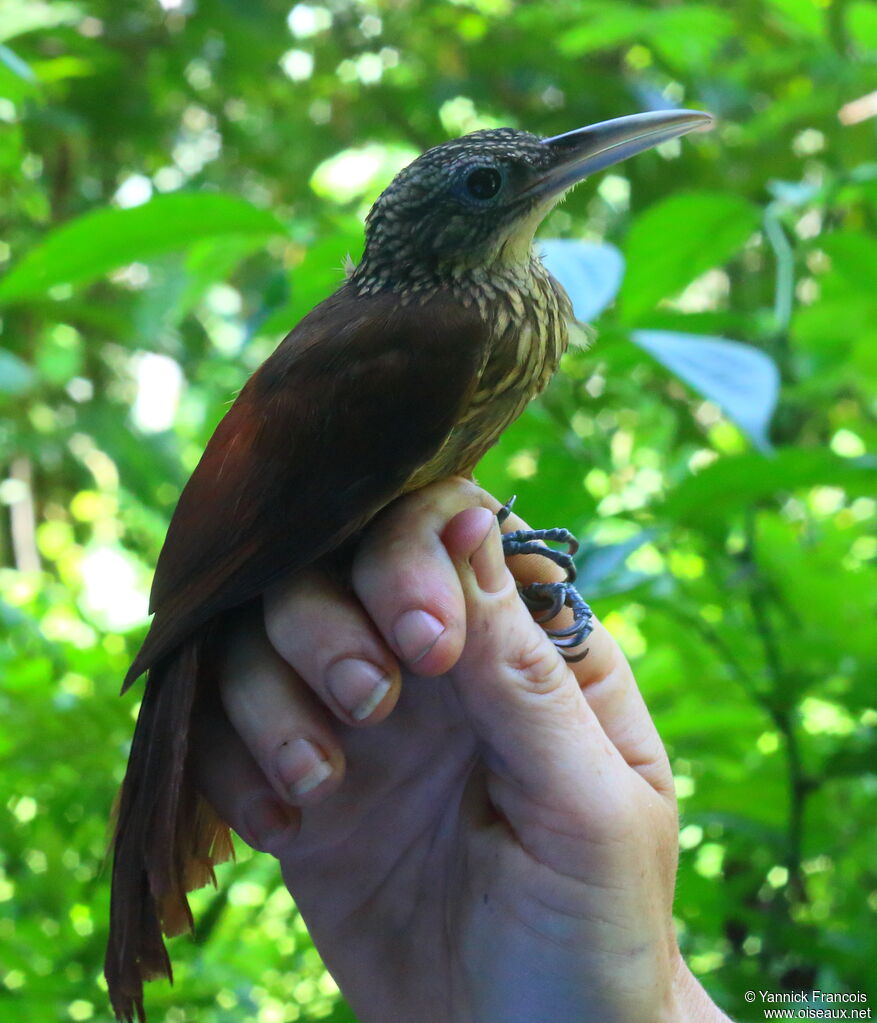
<point x="181" y="180"/>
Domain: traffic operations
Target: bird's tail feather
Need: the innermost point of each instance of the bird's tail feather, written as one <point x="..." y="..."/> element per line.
<point x="167" y="838"/>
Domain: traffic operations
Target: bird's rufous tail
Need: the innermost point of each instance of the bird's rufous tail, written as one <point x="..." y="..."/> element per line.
<point x="167" y="838"/>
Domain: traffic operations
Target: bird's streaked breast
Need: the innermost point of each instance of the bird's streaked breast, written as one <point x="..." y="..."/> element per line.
<point x="527" y="312"/>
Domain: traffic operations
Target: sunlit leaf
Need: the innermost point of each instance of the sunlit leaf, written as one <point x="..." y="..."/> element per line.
<point x="690" y="35"/>
<point x="606" y="25"/>
<point x="360" y="171"/>
<point x="59" y="68"/>
<point x="861" y="17"/>
<point x="736" y="482"/>
<point x="740" y="379"/>
<point x="590" y="272"/>
<point x="676" y="240"/>
<point x="102" y="240"/>
<point x="20" y="16"/>
<point x="800" y="16"/>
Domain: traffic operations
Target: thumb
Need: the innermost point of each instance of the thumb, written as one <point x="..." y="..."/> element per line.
<point x="541" y="739"/>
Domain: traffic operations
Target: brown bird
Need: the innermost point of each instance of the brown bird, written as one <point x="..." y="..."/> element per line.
<point x="406" y="375"/>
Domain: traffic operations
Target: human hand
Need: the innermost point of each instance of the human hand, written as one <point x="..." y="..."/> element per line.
<point x="488" y="835"/>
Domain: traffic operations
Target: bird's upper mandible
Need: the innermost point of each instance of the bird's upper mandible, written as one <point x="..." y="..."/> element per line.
<point x="478" y="200"/>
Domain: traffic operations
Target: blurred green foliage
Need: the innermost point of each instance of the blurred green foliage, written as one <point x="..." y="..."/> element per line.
<point x="181" y="180"/>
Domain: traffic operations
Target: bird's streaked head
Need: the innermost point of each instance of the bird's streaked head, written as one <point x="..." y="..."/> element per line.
<point x="476" y="201"/>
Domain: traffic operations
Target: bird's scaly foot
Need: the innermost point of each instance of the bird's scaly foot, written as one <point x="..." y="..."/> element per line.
<point x="546" y="600"/>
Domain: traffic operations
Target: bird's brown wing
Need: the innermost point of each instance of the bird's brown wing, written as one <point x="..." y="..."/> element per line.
<point x="361" y="393"/>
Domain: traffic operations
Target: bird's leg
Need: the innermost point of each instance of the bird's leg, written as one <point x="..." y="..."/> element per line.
<point x="547" y="600"/>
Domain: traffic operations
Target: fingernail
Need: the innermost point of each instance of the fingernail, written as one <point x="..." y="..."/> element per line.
<point x="358" y="686"/>
<point x="488" y="561"/>
<point x="302" y="766"/>
<point x="416" y="633"/>
<point x="265" y="819"/>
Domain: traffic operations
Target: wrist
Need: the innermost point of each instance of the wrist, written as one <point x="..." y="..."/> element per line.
<point x="691" y="1004"/>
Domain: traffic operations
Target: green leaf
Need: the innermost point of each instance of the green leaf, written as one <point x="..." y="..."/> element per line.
<point x="739" y="378"/>
<point x="799" y="16"/>
<point x="209" y="261"/>
<point x="60" y="68"/>
<point x="17" y="80"/>
<point x="100" y="241"/>
<point x="178" y="282"/>
<point x="676" y="240"/>
<point x="840" y="331"/>
<point x="601" y="569"/>
<point x="604" y="26"/>
<point x="854" y="258"/>
<point x="16" y="65"/>
<point x="59" y="354"/>
<point x="862" y="23"/>
<point x="856" y="757"/>
<point x="733" y="483"/>
<point x="319" y="274"/>
<point x="549" y="491"/>
<point x="690" y="35"/>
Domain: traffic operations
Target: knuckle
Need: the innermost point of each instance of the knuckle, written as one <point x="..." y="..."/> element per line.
<point x="537" y="664"/>
<point x="451" y="490"/>
<point x="275" y="619"/>
<point x="398" y="569"/>
<point x="279" y="628"/>
<point x="284" y="601"/>
<point x="390" y="536"/>
<point x="300" y="610"/>
<point x="460" y="492"/>
<point x="425" y="509"/>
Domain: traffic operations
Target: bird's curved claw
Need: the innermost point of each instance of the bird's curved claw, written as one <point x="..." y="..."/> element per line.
<point x="506" y="509"/>
<point x="546" y="600"/>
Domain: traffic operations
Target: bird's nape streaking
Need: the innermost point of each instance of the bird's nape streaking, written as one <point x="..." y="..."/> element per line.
<point x="406" y="375"/>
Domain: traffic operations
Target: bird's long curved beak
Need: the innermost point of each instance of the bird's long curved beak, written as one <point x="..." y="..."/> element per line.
<point x="588" y="150"/>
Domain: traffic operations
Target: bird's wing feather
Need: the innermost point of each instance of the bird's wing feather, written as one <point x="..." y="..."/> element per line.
<point x="359" y="395"/>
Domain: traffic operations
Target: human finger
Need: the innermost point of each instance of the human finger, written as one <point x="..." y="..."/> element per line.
<point x="605" y="677"/>
<point x="321" y="630"/>
<point x="607" y="682"/>
<point x="538" y="731"/>
<point x="232" y="782"/>
<point x="276" y="716"/>
<point x="407" y="581"/>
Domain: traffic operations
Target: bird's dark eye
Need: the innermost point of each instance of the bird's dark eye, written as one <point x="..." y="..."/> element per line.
<point x="483" y="182"/>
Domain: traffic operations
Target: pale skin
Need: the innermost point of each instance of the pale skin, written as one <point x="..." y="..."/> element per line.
<point x="494" y="840"/>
